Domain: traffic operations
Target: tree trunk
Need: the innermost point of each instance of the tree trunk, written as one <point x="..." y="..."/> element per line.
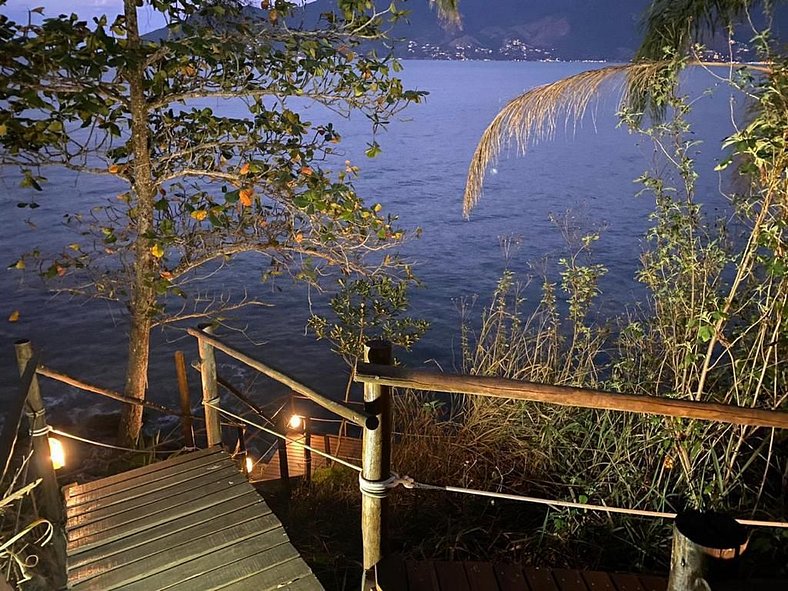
<point x="143" y="296"/>
<point x="136" y="377"/>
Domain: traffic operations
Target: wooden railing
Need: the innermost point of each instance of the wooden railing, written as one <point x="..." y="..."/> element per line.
<point x="691" y="559"/>
<point x="375" y="421"/>
<point x="29" y="402"/>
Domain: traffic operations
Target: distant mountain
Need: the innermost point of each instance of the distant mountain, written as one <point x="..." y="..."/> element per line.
<point x="535" y="30"/>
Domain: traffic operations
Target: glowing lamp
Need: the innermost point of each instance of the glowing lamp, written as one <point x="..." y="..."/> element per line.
<point x="295" y="422"/>
<point x="56" y="453"/>
<point x="249" y="464"/>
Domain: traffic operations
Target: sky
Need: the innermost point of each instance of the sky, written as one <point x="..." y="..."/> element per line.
<point x="86" y="9"/>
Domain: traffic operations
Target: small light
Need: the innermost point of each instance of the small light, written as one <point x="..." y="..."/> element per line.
<point x="249" y="464"/>
<point x="56" y="453"/>
<point x="295" y="422"/>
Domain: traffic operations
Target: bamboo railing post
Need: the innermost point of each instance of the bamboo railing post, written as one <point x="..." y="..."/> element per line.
<point x="376" y="459"/>
<point x="706" y="549"/>
<point x="210" y="388"/>
<point x="50" y="503"/>
<point x="187" y="423"/>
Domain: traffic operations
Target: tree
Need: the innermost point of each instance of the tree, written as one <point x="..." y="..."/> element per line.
<point x="201" y="186"/>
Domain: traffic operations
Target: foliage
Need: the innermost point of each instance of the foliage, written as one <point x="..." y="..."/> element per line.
<point x="712" y="327"/>
<point x="24" y="537"/>
<point x="200" y="183"/>
<point x="368" y="309"/>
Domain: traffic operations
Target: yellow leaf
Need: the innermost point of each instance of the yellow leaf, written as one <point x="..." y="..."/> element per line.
<point x="157" y="251"/>
<point x="299" y="237"/>
<point x="245" y="196"/>
<point x="74" y="246"/>
<point x="20" y="265"/>
<point x="14" y="316"/>
<point x="199" y="214"/>
<point x="244" y="169"/>
<point x="3" y="129"/>
<point x="377" y="207"/>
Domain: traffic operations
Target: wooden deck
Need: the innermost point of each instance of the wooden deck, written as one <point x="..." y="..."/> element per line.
<point x="190" y="523"/>
<point x="394" y="574"/>
<point x="346" y="448"/>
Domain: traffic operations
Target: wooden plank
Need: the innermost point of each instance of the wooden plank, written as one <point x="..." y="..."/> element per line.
<point x="654" y="583"/>
<point x="309" y="583"/>
<point x="162" y="498"/>
<point x="176" y="543"/>
<point x="626" y="582"/>
<point x="222" y="507"/>
<point x="510" y="577"/>
<point x="481" y="576"/>
<point x="391" y="574"/>
<point x="432" y="381"/>
<point x="162" y="479"/>
<point x="278" y="551"/>
<point x="540" y="579"/>
<point x="421" y="576"/>
<point x="232" y="577"/>
<point x="126" y="524"/>
<point x="275" y="577"/>
<point x="451" y="576"/>
<point x="190" y="559"/>
<point x="598" y="581"/>
<point x="569" y="580"/>
<point x="143" y="471"/>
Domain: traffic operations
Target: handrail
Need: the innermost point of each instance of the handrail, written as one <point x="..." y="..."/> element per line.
<point x="66" y="379"/>
<point x="420" y="379"/>
<point x="14" y="417"/>
<point x="360" y="418"/>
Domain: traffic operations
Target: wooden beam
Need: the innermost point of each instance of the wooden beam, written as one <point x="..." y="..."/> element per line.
<point x="362" y="419"/>
<point x="400" y="377"/>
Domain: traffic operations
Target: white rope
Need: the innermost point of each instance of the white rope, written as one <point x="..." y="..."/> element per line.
<point x="377" y="489"/>
<point x="40" y="431"/>
<point x="107" y="445"/>
<point x="286" y="438"/>
<point x="408" y="482"/>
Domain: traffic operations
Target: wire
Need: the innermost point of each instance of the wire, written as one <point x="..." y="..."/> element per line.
<point x="286" y="438"/>
<point x="107" y="445"/>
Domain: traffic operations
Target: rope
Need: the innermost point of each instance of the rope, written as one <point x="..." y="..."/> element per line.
<point x="40" y="431"/>
<point x="408" y="482"/>
<point x="377" y="489"/>
<point x="286" y="438"/>
<point x="107" y="445"/>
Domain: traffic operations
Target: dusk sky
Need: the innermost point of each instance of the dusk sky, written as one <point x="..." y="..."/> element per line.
<point x="86" y="9"/>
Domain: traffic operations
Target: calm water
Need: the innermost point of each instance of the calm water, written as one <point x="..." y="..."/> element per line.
<point x="419" y="176"/>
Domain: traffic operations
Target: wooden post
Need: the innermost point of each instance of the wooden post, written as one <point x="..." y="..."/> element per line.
<point x="187" y="423"/>
<point x="307" y="451"/>
<point x="706" y="548"/>
<point x="284" y="469"/>
<point x="50" y="504"/>
<point x="376" y="459"/>
<point x="210" y="388"/>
